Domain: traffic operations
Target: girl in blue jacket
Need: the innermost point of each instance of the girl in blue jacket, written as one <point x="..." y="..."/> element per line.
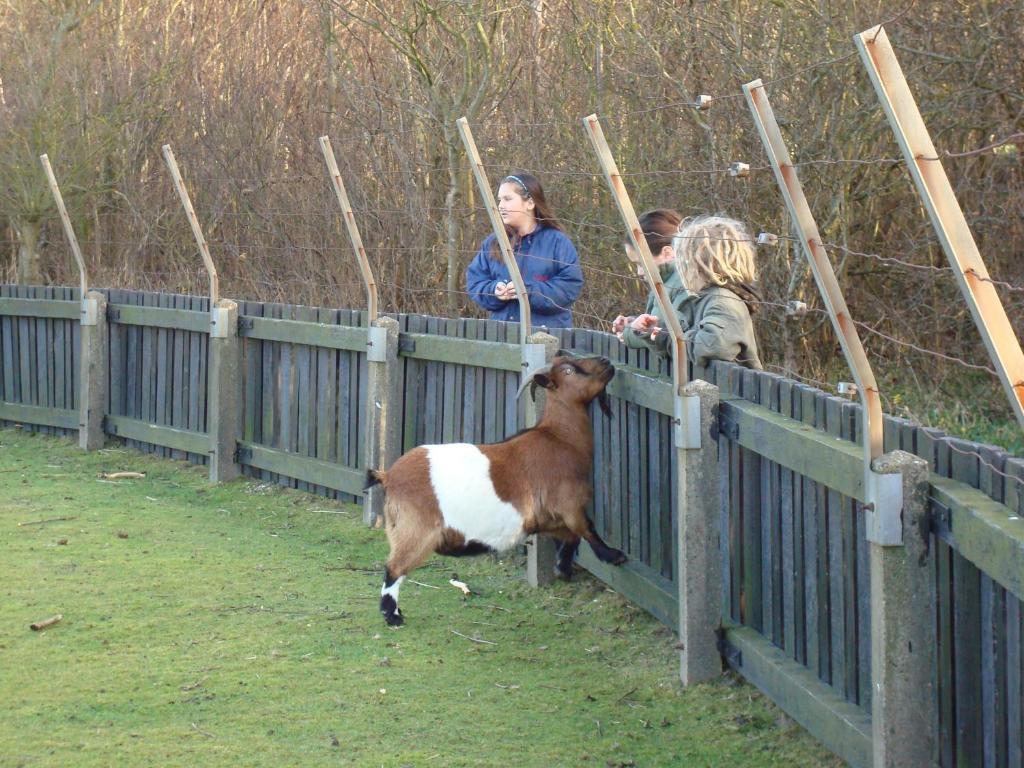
<point x="546" y="257"/>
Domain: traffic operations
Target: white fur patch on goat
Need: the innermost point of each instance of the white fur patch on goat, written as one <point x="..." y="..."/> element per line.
<point x="461" y="477"/>
<point x="393" y="589"/>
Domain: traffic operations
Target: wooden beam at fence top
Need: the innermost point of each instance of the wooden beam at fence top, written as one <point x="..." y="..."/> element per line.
<point x="297" y="332"/>
<point x="335" y="476"/>
<point x="841" y="726"/>
<point x="635" y="387"/>
<point x="944" y="210"/>
<point x="835" y="463"/>
<point x="494" y="355"/>
<point x="52" y="308"/>
<point x="69" y="231"/>
<point x="983" y="531"/>
<point x="498" y="226"/>
<point x="193" y="220"/>
<point x="352" y="227"/>
<point x="64" y="418"/>
<point x="157" y="434"/>
<point x="159" y="317"/>
<point x="618" y="189"/>
<point x="810" y="240"/>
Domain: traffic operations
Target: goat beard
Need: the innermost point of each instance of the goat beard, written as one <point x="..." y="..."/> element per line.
<point x="604" y="402"/>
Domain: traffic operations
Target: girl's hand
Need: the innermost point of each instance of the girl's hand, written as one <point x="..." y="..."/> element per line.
<point x="646" y="325"/>
<point x="619" y="325"/>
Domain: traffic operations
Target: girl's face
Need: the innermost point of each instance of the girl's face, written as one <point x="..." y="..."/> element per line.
<point x="664" y="256"/>
<point x="516" y="211"/>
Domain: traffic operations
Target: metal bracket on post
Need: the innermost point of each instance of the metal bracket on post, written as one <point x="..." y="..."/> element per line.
<point x="533" y="358"/>
<point x="219" y="322"/>
<point x="686" y="424"/>
<point x="376" y="344"/>
<point x="90" y="311"/>
<point x="884" y="508"/>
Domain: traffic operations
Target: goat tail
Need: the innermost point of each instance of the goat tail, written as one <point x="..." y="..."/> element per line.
<point x="375" y="477"/>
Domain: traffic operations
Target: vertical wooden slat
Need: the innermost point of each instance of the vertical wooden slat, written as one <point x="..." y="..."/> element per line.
<point x="1014" y="683"/>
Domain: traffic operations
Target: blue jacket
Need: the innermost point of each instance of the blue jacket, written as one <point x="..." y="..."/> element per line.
<point x="550" y="268"/>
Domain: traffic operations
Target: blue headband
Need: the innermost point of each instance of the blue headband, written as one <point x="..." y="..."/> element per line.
<point x="520" y="182"/>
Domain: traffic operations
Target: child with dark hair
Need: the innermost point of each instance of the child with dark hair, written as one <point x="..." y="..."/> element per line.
<point x="546" y="257"/>
<point x="659" y="226"/>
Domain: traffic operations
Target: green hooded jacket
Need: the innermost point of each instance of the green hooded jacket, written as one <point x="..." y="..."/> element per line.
<point x="716" y="326"/>
<point x="676" y="294"/>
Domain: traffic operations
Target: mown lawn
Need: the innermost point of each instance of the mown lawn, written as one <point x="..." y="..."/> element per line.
<point x="238" y="625"/>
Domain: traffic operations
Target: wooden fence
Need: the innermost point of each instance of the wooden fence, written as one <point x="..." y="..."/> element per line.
<point x="798" y="605"/>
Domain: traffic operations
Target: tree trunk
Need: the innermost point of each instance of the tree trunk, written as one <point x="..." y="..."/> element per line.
<point x="452" y="225"/>
<point x="29" y="272"/>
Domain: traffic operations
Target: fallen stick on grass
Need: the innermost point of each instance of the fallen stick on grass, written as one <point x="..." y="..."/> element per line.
<point x="421" y="584"/>
<point x="474" y="639"/>
<point x="461" y="585"/>
<point x="46" y="622"/>
<point x="47" y="520"/>
<point x="120" y="475"/>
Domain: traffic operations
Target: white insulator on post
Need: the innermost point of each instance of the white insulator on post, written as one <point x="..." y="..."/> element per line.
<point x="739" y="169"/>
<point x="767" y="238"/>
<point x="796" y="308"/>
<point x="703" y="102"/>
<point x="847" y="388"/>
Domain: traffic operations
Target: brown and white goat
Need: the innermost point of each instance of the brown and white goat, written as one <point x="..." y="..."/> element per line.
<point x="462" y="499"/>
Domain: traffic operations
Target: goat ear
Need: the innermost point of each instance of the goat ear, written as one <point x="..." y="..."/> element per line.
<point x="543" y="380"/>
<point x="539" y="376"/>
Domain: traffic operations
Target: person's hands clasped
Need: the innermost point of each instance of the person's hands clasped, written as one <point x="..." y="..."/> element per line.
<point x="505" y="291"/>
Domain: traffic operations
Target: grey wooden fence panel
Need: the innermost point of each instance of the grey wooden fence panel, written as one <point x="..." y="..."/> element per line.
<point x="1014" y="682"/>
<point x="179" y="375"/>
<point x="967" y="629"/>
<point x="10" y="384"/>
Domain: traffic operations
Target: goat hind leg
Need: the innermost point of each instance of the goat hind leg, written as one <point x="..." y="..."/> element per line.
<point x="407" y="554"/>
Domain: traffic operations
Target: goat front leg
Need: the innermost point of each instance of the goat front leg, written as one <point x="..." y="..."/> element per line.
<point x="581" y="525"/>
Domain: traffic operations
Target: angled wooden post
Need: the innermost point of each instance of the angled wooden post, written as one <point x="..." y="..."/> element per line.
<point x="636" y="235"/>
<point x="698" y="561"/>
<point x="383" y="411"/>
<point x="94" y="372"/>
<point x="224" y="382"/>
<point x="353" y="229"/>
<point x="193" y="220"/>
<point x="947" y="217"/>
<point x="498" y="226"/>
<point x="883" y="491"/>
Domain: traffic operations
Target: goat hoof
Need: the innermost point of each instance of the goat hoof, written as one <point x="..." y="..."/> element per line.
<point x="394" y="619"/>
<point x="617" y="557"/>
<point x="565" y="575"/>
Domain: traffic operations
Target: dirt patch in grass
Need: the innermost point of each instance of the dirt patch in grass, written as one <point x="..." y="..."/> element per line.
<point x="238" y="625"/>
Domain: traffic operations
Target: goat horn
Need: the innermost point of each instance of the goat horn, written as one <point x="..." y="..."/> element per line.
<point x="529" y="379"/>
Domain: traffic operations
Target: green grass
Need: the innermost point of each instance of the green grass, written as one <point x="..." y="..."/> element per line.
<point x="238" y="625"/>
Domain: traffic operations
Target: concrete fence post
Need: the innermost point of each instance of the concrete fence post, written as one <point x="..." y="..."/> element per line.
<point x="699" y="557"/>
<point x="540" y="550"/>
<point x="94" y="371"/>
<point x="383" y="410"/>
<point x="224" y="391"/>
<point x="904" y="700"/>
